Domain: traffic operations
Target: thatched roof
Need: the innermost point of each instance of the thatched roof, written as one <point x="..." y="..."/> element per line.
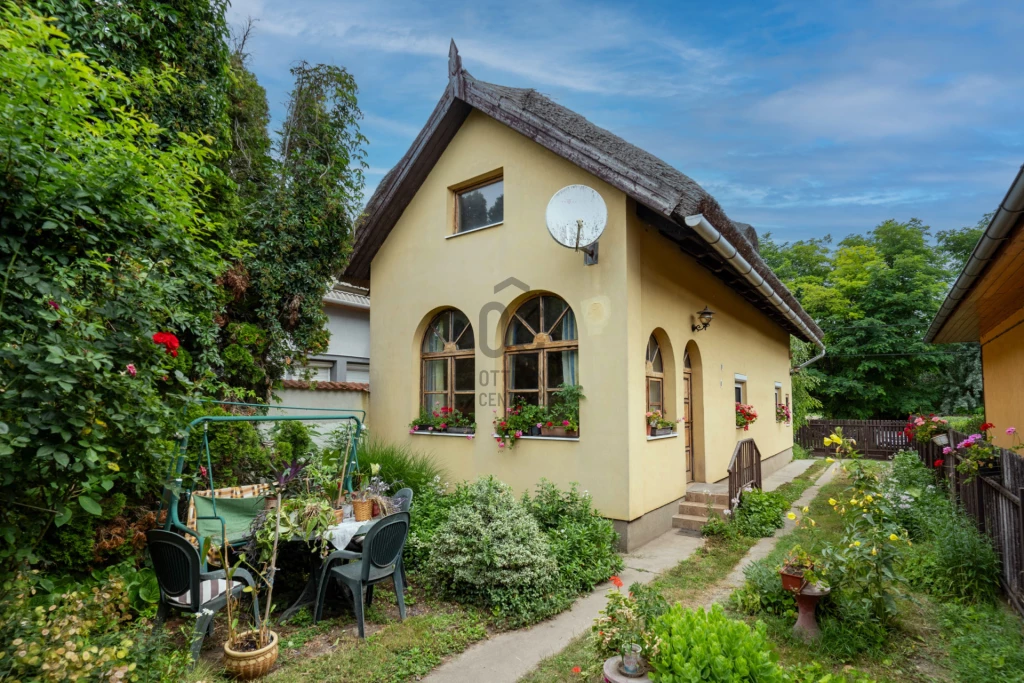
<point x="666" y="195"/>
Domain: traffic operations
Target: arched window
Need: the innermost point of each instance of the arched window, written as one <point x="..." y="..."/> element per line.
<point x="541" y="351"/>
<point x="655" y="377"/>
<point x="448" y="363"/>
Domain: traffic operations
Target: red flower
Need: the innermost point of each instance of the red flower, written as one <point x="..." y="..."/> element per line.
<point x="986" y="426"/>
<point x="576" y="670"/>
<point x="54" y="305"/>
<point x="616" y="581"/>
<point x="549" y="424"/>
<point x="168" y="341"/>
<point x="938" y="463"/>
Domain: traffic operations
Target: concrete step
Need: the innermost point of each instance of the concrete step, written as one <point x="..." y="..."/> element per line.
<point x="700" y="509"/>
<point x="701" y="497"/>
<point x="690" y="522"/>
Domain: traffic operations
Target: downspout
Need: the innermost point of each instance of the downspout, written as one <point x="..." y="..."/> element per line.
<point x="719" y="243"/>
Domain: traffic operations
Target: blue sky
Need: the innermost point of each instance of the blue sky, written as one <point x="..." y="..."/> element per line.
<point x="802" y="118"/>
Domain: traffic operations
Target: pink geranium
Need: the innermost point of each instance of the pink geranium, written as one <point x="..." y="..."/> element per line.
<point x="131" y="369"/>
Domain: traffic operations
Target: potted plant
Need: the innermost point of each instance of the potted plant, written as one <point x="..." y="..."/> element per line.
<point x="783" y="413"/>
<point x="977" y="456"/>
<point x="745" y="416"/>
<point x="924" y="429"/>
<point x="510" y="426"/>
<point x="457" y="422"/>
<point x="797" y="570"/>
<point x="657" y="425"/>
<point x="564" y="415"/>
<point x="623" y="629"/>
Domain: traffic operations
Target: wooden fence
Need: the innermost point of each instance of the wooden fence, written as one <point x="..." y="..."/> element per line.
<point x="876" y="439"/>
<point x="995" y="503"/>
<point x="744" y="469"/>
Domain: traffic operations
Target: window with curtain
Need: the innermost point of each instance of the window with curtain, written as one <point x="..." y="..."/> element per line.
<point x="541" y="351"/>
<point x="448" y="363"/>
<point x="655" y="377"/>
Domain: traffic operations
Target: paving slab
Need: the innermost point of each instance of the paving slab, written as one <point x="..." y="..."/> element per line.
<point x="783" y="475"/>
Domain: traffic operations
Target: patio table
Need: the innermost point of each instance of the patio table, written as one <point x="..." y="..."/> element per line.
<point x="338" y="536"/>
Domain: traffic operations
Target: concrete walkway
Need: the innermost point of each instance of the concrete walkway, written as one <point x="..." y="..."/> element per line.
<point x="509" y="656"/>
<point x="782" y="476"/>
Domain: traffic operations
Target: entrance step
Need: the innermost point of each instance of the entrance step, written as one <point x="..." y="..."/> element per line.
<point x="693" y="509"/>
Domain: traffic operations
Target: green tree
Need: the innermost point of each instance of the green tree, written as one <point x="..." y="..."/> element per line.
<point x="103" y="242"/>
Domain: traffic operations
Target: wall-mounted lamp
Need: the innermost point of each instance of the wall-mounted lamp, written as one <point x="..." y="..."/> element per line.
<point x="704" y="318"/>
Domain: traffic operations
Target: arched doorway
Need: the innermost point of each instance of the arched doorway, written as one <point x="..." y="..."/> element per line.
<point x="693" y="413"/>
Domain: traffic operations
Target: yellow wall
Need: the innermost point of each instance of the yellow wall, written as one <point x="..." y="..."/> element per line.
<point x="642" y="282"/>
<point x="1002" y="359"/>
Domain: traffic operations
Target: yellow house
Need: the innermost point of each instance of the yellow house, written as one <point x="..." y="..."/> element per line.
<point x="986" y="305"/>
<point x="477" y="307"/>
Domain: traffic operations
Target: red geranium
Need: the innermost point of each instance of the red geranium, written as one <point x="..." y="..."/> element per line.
<point x="168" y="341"/>
<point x="576" y="670"/>
<point x="616" y="581"/>
<point x="986" y="426"/>
<point x="938" y="463"/>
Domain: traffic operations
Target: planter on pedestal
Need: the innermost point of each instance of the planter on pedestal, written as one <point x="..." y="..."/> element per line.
<point x="806" y="626"/>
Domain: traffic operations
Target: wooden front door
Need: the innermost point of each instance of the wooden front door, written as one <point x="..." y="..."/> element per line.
<point x="688" y="420"/>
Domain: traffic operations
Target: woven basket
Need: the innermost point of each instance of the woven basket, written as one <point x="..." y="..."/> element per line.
<point x="249" y="665"/>
<point x="339" y="516"/>
<point x="363" y="510"/>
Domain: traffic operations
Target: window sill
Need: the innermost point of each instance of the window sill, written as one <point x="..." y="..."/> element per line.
<point x="460" y="436"/>
<point x="468" y="232"/>
<point x="543" y="438"/>
<point x="663" y="436"/>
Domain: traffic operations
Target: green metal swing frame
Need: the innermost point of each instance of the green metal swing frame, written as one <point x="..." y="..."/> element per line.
<point x="173" y="490"/>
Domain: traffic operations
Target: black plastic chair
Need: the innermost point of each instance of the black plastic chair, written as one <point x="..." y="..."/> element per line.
<point x="381" y="559"/>
<point x="186" y="588"/>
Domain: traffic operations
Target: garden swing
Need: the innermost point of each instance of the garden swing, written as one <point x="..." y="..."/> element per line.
<point x="227" y="513"/>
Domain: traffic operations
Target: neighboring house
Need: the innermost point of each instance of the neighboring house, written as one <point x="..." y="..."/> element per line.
<point x="986" y="305"/>
<point x="483" y="306"/>
<point x="340" y="377"/>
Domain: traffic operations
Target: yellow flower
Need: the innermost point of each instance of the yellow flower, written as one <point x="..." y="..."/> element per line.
<point x="833" y="501"/>
<point x="874" y="551"/>
<point x="830" y="460"/>
<point x="791" y="515"/>
<point x="805" y="509"/>
<point x="827" y="441"/>
<point x="853" y="501"/>
<point x="856" y="543"/>
<point x="813" y="523"/>
<point x="868" y="498"/>
<point x="893" y="537"/>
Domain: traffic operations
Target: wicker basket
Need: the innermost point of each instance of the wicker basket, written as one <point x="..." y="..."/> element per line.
<point x="249" y="665"/>
<point x="363" y="510"/>
<point x="339" y="516"/>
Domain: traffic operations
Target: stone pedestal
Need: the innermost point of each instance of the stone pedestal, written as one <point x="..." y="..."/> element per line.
<point x="612" y="673"/>
<point x="806" y="626"/>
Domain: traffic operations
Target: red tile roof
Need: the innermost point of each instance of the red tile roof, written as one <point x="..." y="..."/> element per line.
<point x="325" y="386"/>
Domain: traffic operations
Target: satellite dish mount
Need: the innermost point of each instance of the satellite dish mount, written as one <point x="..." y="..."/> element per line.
<point x="576" y="217"/>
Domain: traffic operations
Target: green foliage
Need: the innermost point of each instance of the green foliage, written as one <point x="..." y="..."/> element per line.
<point x="402" y="466"/>
<point x="72" y="547"/>
<point x="760" y="512"/>
<point x="694" y="645"/>
<point x="582" y="540"/>
<point x="966" y="424"/>
<point x="293" y="440"/>
<point x="762" y="592"/>
<point x="237" y="454"/>
<point x="87" y="632"/>
<point x="431" y="505"/>
<point x="492" y="553"/>
<point x="985" y="643"/>
<point x="875" y="294"/>
<point x="627" y="620"/>
<point x="103" y="242"/>
<point x="815" y="673"/>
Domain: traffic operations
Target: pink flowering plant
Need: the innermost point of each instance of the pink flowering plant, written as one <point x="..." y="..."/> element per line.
<point x="512" y="424"/>
<point x="783" y="413"/>
<point x="440" y="420"/>
<point x="975" y="452"/>
<point x="745" y="416"/>
<point x="658" y="421"/>
<point x="922" y="428"/>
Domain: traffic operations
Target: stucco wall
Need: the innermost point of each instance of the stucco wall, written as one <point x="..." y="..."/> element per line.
<point x="670" y="287"/>
<point x="1002" y="358"/>
<point x="642" y="282"/>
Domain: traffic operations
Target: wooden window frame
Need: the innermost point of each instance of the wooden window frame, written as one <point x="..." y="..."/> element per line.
<point x="450" y="354"/>
<point x="469" y="186"/>
<point x="541" y="346"/>
<point x="653" y="376"/>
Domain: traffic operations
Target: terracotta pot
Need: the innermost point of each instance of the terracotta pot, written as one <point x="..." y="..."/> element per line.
<point x="363" y="510"/>
<point x="249" y="665"/>
<point x="792" y="579"/>
<point x="558" y="431"/>
<point x="376" y="509"/>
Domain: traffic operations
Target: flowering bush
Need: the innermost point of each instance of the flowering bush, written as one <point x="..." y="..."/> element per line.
<point x="974" y="452"/>
<point x="922" y="429"/>
<point x="783" y="413"/>
<point x="626" y="620"/>
<point x="745" y="416"/>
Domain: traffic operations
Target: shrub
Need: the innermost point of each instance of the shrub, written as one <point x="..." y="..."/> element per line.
<point x="958" y="562"/>
<point x="430" y="508"/>
<point x="694" y="645"/>
<point x="87" y="633"/>
<point x="801" y="453"/>
<point x="627" y="620"/>
<point x="582" y="540"/>
<point x="401" y="464"/>
<point x="491" y="552"/>
<point x="762" y="593"/>
<point x="760" y="512"/>
<point x="966" y="424"/>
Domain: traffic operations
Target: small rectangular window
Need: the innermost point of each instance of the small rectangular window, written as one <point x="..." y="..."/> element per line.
<point x="480" y="207"/>
<point x="740" y="387"/>
<point x="739" y="392"/>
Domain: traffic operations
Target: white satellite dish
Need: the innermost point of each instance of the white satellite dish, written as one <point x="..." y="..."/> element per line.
<point x="576" y="217"/>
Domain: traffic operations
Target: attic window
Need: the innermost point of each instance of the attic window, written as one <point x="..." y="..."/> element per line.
<point x="480" y="206"/>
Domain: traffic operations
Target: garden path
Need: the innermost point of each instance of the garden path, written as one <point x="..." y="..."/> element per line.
<point x="509" y="656"/>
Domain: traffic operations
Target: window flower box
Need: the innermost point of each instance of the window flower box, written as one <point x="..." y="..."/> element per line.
<point x="658" y="425"/>
<point x="659" y="431"/>
<point x="559" y="431"/>
<point x="461" y="430"/>
<point x="745" y="416"/>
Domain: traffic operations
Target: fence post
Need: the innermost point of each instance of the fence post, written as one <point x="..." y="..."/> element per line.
<point x="979" y="495"/>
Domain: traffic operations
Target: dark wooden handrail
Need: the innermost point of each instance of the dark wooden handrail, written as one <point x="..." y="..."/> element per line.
<point x="744" y="469"/>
